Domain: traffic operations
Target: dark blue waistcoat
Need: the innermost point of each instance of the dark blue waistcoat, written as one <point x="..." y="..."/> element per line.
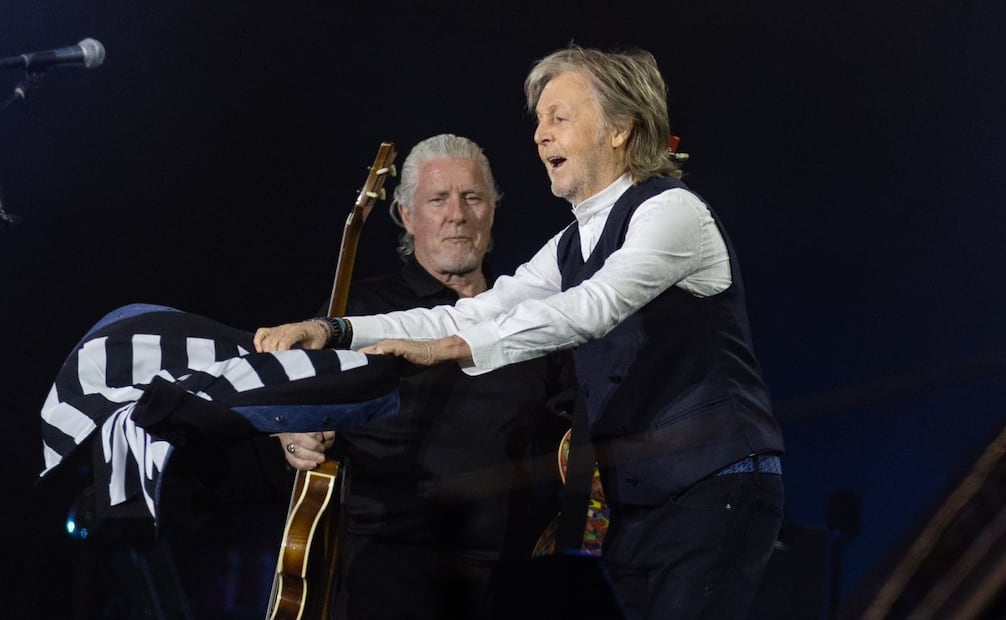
<point x="673" y="393"/>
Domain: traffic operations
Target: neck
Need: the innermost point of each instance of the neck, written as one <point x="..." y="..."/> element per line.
<point x="465" y="285"/>
<point x="602" y="189"/>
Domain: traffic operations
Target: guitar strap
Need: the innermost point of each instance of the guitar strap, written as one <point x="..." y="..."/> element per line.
<point x="579" y="476"/>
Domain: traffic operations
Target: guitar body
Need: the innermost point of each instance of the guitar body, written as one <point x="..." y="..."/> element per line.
<point x="308" y="556"/>
<point x="307" y="535"/>
<point x="597" y="511"/>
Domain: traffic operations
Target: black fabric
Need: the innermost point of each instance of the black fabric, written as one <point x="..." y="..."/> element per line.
<point x="556" y="587"/>
<point x="674" y="392"/>
<point x="579" y="479"/>
<point x="176" y="415"/>
<point x="463" y="476"/>
<point x="700" y="555"/>
<point x="441" y="471"/>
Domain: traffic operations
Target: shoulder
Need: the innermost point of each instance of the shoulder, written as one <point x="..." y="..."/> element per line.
<point x="381" y="293"/>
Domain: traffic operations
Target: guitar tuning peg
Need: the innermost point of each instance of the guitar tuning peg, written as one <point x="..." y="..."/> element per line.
<point x="393" y="170"/>
<point x="673" y="142"/>
<point x="388" y="170"/>
<point x="378" y="195"/>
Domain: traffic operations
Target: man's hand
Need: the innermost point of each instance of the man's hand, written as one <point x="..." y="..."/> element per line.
<point x="307" y="334"/>
<point x="305" y="451"/>
<point x="424" y="352"/>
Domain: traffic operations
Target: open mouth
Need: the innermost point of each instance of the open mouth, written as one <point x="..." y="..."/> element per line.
<point x="555" y="162"/>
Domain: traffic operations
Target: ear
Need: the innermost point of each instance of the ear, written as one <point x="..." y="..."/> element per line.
<point x="405" y="214"/>
<point x="619" y="137"/>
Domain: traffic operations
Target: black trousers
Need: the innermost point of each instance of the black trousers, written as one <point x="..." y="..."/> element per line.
<point x="384" y="580"/>
<point x="701" y="554"/>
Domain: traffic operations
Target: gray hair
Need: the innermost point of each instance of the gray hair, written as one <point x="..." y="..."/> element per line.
<point x="631" y="93"/>
<point x="443" y="146"/>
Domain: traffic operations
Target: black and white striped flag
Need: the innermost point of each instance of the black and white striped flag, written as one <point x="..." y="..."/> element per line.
<point x="146" y="375"/>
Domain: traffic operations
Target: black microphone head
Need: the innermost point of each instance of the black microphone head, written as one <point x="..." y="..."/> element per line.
<point x="94" y="53"/>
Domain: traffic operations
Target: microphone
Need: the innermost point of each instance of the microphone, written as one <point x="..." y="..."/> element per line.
<point x="89" y="53"/>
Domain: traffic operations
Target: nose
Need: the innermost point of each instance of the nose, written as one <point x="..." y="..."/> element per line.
<point x="541" y="135"/>
<point x="456" y="209"/>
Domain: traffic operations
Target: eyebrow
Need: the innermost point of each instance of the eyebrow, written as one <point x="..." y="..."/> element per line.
<point x="550" y="109"/>
<point x="463" y="192"/>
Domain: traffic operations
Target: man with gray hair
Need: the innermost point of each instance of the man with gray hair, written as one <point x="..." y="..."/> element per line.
<point x="438" y="495"/>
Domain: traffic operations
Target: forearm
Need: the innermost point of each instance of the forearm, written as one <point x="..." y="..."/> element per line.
<point x="415" y="324"/>
<point x="425" y="352"/>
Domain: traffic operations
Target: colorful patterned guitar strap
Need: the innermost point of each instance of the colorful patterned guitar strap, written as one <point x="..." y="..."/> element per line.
<point x="579" y="478"/>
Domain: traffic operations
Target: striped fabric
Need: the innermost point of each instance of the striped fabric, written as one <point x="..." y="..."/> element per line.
<point x="143" y="364"/>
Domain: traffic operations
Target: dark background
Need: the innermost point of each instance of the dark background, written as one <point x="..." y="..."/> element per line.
<point x="854" y="151"/>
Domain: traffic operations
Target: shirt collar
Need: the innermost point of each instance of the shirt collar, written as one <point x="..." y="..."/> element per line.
<point x="424" y="285"/>
<point x="603" y="199"/>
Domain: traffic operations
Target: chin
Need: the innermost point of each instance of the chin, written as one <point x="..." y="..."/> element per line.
<point x="560" y="190"/>
<point x="460" y="265"/>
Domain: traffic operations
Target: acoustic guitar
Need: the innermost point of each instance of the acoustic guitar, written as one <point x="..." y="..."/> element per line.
<point x="308" y="555"/>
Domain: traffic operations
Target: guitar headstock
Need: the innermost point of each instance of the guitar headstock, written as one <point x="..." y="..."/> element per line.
<point x="373" y="188"/>
<point x="673" y="144"/>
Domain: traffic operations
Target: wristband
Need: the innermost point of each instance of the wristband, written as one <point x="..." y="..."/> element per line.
<point x="340" y="332"/>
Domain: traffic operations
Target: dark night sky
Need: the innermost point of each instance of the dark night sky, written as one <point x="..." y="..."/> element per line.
<point x="854" y="151"/>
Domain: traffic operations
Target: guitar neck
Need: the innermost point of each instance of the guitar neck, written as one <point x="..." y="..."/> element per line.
<point x="347" y="259"/>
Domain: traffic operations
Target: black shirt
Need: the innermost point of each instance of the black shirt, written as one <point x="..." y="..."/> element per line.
<point x="468" y="463"/>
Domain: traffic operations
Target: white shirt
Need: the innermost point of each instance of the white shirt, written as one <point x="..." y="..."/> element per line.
<point x="671" y="240"/>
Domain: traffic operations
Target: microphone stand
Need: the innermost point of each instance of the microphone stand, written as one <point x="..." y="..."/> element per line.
<point x="6" y="219"/>
<point x="21" y="89"/>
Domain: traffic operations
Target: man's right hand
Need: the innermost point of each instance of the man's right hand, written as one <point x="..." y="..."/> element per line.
<point x="309" y="334"/>
<point x="305" y="451"/>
